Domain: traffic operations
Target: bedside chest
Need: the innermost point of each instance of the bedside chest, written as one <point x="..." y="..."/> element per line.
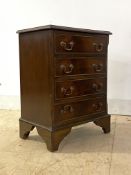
<point x="63" y="77"/>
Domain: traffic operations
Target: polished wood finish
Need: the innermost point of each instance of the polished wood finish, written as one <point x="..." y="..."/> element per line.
<point x="25" y="129"/>
<point x="63" y="78"/>
<point x="70" y="110"/>
<point x="82" y="87"/>
<point x="63" y="28"/>
<point x="35" y="84"/>
<point x="78" y="43"/>
<point x="104" y="123"/>
<point x="80" y="66"/>
<point x="54" y="138"/>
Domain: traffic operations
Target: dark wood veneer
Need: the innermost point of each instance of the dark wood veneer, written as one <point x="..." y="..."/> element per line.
<point x="76" y="109"/>
<point x="74" y="88"/>
<point x="63" y="78"/>
<point x="80" y="66"/>
<point x="74" y="43"/>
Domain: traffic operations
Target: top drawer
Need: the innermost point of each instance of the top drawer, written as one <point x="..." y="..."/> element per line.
<point x="66" y="42"/>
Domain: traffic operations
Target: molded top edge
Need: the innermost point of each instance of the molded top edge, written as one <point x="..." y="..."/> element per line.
<point x="47" y="27"/>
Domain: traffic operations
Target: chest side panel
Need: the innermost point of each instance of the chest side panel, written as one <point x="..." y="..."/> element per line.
<point x="35" y="77"/>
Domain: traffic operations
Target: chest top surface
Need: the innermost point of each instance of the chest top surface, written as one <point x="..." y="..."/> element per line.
<point x="54" y="27"/>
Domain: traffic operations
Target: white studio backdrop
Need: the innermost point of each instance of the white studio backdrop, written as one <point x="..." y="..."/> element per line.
<point x="111" y="15"/>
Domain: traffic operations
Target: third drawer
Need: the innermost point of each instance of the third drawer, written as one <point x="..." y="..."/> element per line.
<point x="79" y="87"/>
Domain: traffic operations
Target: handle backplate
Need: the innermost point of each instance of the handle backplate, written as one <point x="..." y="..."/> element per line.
<point x="67" y="69"/>
<point x="67" y="46"/>
<point x="67" y="109"/>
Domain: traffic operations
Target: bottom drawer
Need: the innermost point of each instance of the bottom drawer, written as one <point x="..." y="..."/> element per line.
<point x="72" y="110"/>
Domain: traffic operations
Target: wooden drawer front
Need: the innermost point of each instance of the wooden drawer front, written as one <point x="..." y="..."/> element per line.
<point x="75" y="88"/>
<point x="74" y="66"/>
<point x="76" y="109"/>
<point x="80" y="43"/>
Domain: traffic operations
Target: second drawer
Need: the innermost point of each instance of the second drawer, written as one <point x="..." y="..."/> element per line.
<point x="75" y="66"/>
<point x="76" y="88"/>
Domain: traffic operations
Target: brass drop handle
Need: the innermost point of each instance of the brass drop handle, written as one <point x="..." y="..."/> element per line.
<point x="97" y="67"/>
<point x="97" y="107"/>
<point x="67" y="70"/>
<point x="67" y="109"/>
<point x="68" y="91"/>
<point x="67" y="46"/>
<point x="97" y="87"/>
<point x="98" y="47"/>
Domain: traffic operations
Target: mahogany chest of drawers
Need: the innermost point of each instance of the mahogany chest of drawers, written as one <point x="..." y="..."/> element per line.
<point x="63" y="77"/>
